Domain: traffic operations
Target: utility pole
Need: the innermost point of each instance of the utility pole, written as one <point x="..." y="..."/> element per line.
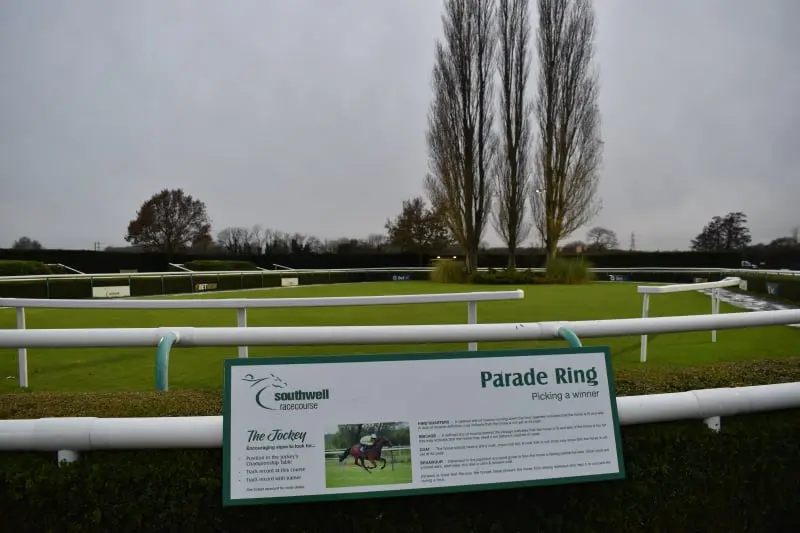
<point x="633" y="242"/>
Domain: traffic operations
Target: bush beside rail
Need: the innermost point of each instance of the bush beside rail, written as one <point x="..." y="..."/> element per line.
<point x="681" y="476"/>
<point x="24" y="268"/>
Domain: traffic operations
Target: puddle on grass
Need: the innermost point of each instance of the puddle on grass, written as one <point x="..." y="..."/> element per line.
<point x="750" y="302"/>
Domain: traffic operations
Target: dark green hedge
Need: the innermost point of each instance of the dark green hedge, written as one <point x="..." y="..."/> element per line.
<point x="23" y="268"/>
<point x="680" y="476"/>
<point x="785" y="288"/>
<point x="530" y="277"/>
<point x="151" y="286"/>
<point x="219" y="265"/>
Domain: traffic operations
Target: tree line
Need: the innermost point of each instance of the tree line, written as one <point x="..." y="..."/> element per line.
<point x="524" y="158"/>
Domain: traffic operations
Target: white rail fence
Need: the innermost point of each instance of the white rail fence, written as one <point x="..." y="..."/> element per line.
<point x="68" y="437"/>
<point x="715" y="286"/>
<point x="243" y="304"/>
<point x="374" y="335"/>
<point x="293" y="272"/>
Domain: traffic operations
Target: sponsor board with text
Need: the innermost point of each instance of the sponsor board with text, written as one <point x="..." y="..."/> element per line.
<point x="475" y="421"/>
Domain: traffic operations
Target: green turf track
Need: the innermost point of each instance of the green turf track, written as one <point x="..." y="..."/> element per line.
<point x="118" y="369"/>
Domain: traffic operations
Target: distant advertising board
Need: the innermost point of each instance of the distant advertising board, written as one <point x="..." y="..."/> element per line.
<point x="772" y="289"/>
<point x="401" y="277"/>
<point x="450" y="422"/>
<point x="202" y="287"/>
<point x="121" y="291"/>
<point x="290" y="282"/>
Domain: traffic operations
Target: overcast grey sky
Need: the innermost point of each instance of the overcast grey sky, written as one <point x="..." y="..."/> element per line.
<point x="310" y="116"/>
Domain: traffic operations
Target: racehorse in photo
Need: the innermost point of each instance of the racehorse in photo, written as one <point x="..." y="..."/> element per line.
<point x="372" y="454"/>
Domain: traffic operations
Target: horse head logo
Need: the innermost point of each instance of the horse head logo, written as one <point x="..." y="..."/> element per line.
<point x="264" y="385"/>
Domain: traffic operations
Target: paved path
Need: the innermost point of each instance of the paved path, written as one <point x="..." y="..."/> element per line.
<point x="750" y="302"/>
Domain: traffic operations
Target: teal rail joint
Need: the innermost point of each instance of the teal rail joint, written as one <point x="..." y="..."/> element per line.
<point x="569" y="336"/>
<point x="162" y="360"/>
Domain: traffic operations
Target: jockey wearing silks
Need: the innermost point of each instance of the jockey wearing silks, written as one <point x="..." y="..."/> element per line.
<point x="367" y="441"/>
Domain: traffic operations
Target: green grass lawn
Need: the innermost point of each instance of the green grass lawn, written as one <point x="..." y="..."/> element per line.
<point x="350" y="475"/>
<point x="118" y="369"/>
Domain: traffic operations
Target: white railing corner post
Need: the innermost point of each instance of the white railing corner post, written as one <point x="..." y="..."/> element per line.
<point x="22" y="353"/>
<point x="66" y="456"/>
<point x="714" y="423"/>
<point x="645" y="313"/>
<point x="472" y="318"/>
<point x="241" y="321"/>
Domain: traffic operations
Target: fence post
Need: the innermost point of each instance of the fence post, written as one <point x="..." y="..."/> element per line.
<point x="714" y="310"/>
<point x="241" y="321"/>
<point x="472" y="318"/>
<point x="645" y="312"/>
<point x="162" y="360"/>
<point x="66" y="456"/>
<point x="22" y="353"/>
<point x="714" y="423"/>
<point x="569" y="336"/>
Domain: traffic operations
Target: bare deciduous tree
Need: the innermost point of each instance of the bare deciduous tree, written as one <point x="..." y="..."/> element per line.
<point x="569" y="147"/>
<point x="602" y="239"/>
<point x="461" y="143"/>
<point x="512" y="178"/>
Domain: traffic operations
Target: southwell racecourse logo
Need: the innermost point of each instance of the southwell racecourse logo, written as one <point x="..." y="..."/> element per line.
<point x="273" y="393"/>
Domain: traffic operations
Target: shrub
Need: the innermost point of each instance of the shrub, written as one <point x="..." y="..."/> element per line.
<point x="23" y="268"/>
<point x="449" y="271"/>
<point x="219" y="265"/>
<point x="680" y="476"/>
<point x="569" y="271"/>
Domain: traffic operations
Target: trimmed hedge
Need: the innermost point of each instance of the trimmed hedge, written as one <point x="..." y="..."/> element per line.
<point x="219" y="265"/>
<point x="23" y="268"/>
<point x="152" y="286"/>
<point x="680" y="476"/>
<point x="785" y="288"/>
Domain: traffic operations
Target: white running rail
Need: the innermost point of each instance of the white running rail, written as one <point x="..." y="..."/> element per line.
<point x="243" y="304"/>
<point x="230" y="273"/>
<point x="715" y="286"/>
<point x="70" y="436"/>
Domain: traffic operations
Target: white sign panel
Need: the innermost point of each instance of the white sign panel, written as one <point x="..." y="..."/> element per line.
<point x="122" y="291"/>
<point x="294" y="426"/>
<point x="290" y="282"/>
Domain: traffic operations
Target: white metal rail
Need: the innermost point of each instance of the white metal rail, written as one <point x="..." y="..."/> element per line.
<point x="715" y="286"/>
<point x="243" y="304"/>
<point x="70" y="436"/>
<point x="232" y="273"/>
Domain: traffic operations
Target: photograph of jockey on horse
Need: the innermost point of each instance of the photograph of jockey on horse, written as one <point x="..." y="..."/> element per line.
<point x="370" y="444"/>
<point x="368" y="449"/>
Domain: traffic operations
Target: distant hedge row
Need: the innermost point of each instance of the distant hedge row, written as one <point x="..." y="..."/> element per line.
<point x="680" y="476"/>
<point x="180" y="283"/>
<point x="785" y="288"/>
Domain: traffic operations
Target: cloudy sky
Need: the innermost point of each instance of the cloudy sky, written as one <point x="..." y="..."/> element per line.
<point x="310" y="116"/>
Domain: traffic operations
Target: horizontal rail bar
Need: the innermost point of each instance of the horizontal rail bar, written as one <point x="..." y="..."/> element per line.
<point x="684" y="287"/>
<point x="254" y="303"/>
<point x="89" y="433"/>
<point x="224" y="273"/>
<point x="343" y="335"/>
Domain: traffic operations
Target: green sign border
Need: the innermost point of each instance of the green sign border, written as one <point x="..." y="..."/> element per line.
<point x="379" y="357"/>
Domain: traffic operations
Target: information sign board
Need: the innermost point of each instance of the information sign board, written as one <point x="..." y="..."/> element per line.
<point x="445" y="422"/>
